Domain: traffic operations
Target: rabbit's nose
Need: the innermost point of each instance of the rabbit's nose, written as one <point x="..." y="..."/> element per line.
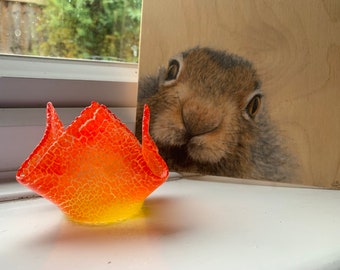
<point x="199" y="118"/>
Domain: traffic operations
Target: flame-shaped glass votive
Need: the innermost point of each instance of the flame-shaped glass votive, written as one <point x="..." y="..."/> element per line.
<point x="95" y="170"/>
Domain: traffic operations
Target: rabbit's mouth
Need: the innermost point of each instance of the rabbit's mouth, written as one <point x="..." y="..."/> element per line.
<point x="185" y="159"/>
<point x="205" y="148"/>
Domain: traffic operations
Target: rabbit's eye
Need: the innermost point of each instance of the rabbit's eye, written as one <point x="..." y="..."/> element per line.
<point x="254" y="106"/>
<point x="172" y="70"/>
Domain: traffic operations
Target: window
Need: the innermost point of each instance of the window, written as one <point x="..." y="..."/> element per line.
<point x="86" y="29"/>
<point x="28" y="82"/>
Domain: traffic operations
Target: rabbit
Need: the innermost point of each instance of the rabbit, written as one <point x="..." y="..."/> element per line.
<point x="208" y="117"/>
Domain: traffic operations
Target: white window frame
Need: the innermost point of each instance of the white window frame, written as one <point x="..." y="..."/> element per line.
<point x="61" y="68"/>
<point x="27" y="83"/>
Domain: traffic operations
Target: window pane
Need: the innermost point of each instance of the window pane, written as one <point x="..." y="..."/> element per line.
<point x="85" y="29"/>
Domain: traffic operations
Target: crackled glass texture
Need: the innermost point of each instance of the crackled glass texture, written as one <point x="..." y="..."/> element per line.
<point x="95" y="170"/>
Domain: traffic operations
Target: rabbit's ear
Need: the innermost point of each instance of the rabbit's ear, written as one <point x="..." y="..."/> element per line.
<point x="174" y="70"/>
<point x="253" y="105"/>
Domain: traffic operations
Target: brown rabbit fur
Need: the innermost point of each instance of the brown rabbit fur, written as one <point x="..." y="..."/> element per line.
<point x="207" y="116"/>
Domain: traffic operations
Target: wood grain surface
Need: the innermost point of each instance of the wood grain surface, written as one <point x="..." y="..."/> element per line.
<point x="294" y="45"/>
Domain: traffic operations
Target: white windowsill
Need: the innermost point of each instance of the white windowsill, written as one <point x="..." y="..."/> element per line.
<point x="189" y="225"/>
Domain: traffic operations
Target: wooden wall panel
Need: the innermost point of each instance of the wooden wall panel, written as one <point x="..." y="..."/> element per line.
<point x="295" y="46"/>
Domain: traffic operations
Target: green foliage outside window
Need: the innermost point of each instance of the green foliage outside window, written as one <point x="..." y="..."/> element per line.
<point x="90" y="29"/>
